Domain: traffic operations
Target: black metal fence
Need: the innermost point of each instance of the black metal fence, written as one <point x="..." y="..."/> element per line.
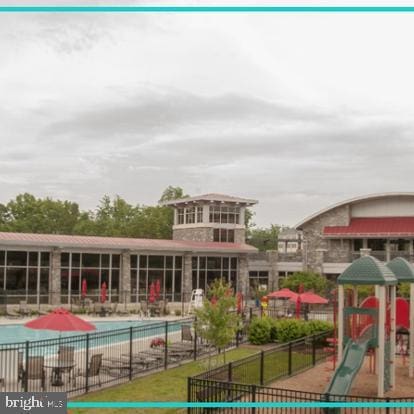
<point x="277" y="312"/>
<point x="205" y="390"/>
<point x="272" y="364"/>
<point x="78" y="363"/>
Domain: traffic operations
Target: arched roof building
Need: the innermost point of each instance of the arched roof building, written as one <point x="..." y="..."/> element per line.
<point x="334" y="236"/>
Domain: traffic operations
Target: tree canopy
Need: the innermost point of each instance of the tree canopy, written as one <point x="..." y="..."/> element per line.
<point x="309" y="281"/>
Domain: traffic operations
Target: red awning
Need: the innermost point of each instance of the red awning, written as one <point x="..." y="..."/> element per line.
<point x="373" y="227"/>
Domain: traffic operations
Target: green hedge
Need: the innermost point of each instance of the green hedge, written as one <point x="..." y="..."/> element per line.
<point x="265" y="330"/>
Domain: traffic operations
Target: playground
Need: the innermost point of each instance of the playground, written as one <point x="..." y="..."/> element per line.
<point x="370" y="349"/>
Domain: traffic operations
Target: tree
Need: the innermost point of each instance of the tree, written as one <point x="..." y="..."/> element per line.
<point x="172" y="193"/>
<point x="217" y="322"/>
<point x="309" y="280"/>
<point x="264" y="238"/>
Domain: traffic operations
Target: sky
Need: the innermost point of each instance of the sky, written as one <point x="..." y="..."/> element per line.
<point x="298" y="111"/>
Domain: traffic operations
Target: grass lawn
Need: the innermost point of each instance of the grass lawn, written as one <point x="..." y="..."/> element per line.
<point x="170" y="385"/>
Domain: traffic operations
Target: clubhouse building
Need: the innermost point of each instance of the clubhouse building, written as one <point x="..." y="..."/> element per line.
<point x="209" y="242"/>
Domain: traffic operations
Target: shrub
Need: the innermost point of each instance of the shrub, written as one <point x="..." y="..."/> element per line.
<point x="316" y="326"/>
<point x="177" y="312"/>
<point x="157" y="342"/>
<point x="259" y="331"/>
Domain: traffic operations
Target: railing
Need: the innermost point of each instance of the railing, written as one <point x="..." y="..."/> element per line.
<point x="204" y="390"/>
<point x="278" y="312"/>
<point x="79" y="363"/>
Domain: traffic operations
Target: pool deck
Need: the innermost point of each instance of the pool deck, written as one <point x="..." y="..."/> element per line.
<point x="132" y="317"/>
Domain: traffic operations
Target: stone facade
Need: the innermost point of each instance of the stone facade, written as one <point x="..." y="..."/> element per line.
<point x="187" y="277"/>
<point x="125" y="279"/>
<point x="314" y="240"/>
<point x="243" y="279"/>
<point x="54" y="282"/>
<point x="194" y="234"/>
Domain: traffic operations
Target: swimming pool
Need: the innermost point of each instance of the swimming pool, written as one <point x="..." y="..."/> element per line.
<point x="18" y="333"/>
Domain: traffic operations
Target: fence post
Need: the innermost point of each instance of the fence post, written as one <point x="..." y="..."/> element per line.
<point x="130" y="353"/>
<point x="262" y="368"/>
<point x="166" y="346"/>
<point x="250" y="313"/>
<point x="290" y="359"/>
<point x="87" y="364"/>
<point x="195" y="339"/>
<point x="253" y="398"/>
<point x="313" y="350"/>
<point x="387" y="410"/>
<point x="189" y="396"/>
<point x="230" y="372"/>
<point x="26" y="376"/>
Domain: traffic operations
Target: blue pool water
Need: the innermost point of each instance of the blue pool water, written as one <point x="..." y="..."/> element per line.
<point x="18" y="333"/>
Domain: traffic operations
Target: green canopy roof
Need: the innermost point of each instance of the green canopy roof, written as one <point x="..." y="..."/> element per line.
<point x="402" y="269"/>
<point x="367" y="270"/>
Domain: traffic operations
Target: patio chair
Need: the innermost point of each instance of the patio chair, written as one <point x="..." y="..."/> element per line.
<point x="24" y="309"/>
<point x="66" y="355"/>
<point x="94" y="368"/>
<point x="35" y="370"/>
<point x="144" y="309"/>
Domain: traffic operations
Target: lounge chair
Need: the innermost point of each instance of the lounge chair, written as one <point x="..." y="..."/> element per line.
<point x="66" y="355"/>
<point x="94" y="369"/>
<point x="35" y="370"/>
<point x="12" y="314"/>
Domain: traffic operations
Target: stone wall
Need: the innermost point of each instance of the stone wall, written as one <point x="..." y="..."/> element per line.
<point x="187" y="277"/>
<point x="313" y="236"/>
<point x="54" y="282"/>
<point x="194" y="234"/>
<point x="125" y="280"/>
<point x="239" y="235"/>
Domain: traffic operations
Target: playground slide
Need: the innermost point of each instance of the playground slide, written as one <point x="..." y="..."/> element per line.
<point x="351" y="363"/>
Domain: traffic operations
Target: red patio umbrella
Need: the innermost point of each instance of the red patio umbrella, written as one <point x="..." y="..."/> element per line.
<point x="84" y="288"/>
<point x="312" y="299"/>
<point x="151" y="298"/>
<point x="60" y="320"/>
<point x="284" y="293"/>
<point x="103" y="292"/>
<point x="157" y="288"/>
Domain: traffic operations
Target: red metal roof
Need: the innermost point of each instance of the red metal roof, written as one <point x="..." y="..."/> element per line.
<point x="94" y="242"/>
<point x="373" y="226"/>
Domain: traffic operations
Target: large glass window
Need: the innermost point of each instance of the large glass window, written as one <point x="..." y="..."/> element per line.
<point x="22" y="272"/>
<point x="190" y="215"/>
<point x="163" y="270"/>
<point x="208" y="268"/>
<point x="224" y="214"/>
<point x="94" y="268"/>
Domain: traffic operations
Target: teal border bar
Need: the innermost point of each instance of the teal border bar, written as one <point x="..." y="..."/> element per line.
<point x="120" y="404"/>
<point x="206" y="9"/>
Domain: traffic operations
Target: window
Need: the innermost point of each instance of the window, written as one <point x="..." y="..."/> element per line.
<point x="147" y="269"/>
<point x="224" y="214"/>
<point x="207" y="269"/>
<point x="258" y="280"/>
<point x="95" y="268"/>
<point x="224" y="235"/>
<point x="190" y="215"/>
<point x="180" y="216"/>
<point x="21" y="272"/>
<point x="199" y="214"/>
<point x="281" y="247"/>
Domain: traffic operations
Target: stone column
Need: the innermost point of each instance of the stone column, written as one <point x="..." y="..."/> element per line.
<point x="273" y="258"/>
<point x="320" y="255"/>
<point x="387" y="250"/>
<point x="54" y="285"/>
<point x="125" y="279"/>
<point x="187" y="277"/>
<point x="243" y="277"/>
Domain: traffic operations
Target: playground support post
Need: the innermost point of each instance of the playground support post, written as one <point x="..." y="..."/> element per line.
<point x="381" y="340"/>
<point x="393" y="334"/>
<point x="411" y="340"/>
<point x="340" y="322"/>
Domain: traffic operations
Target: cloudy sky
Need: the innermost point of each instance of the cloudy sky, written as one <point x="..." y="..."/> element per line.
<point x="296" y="110"/>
